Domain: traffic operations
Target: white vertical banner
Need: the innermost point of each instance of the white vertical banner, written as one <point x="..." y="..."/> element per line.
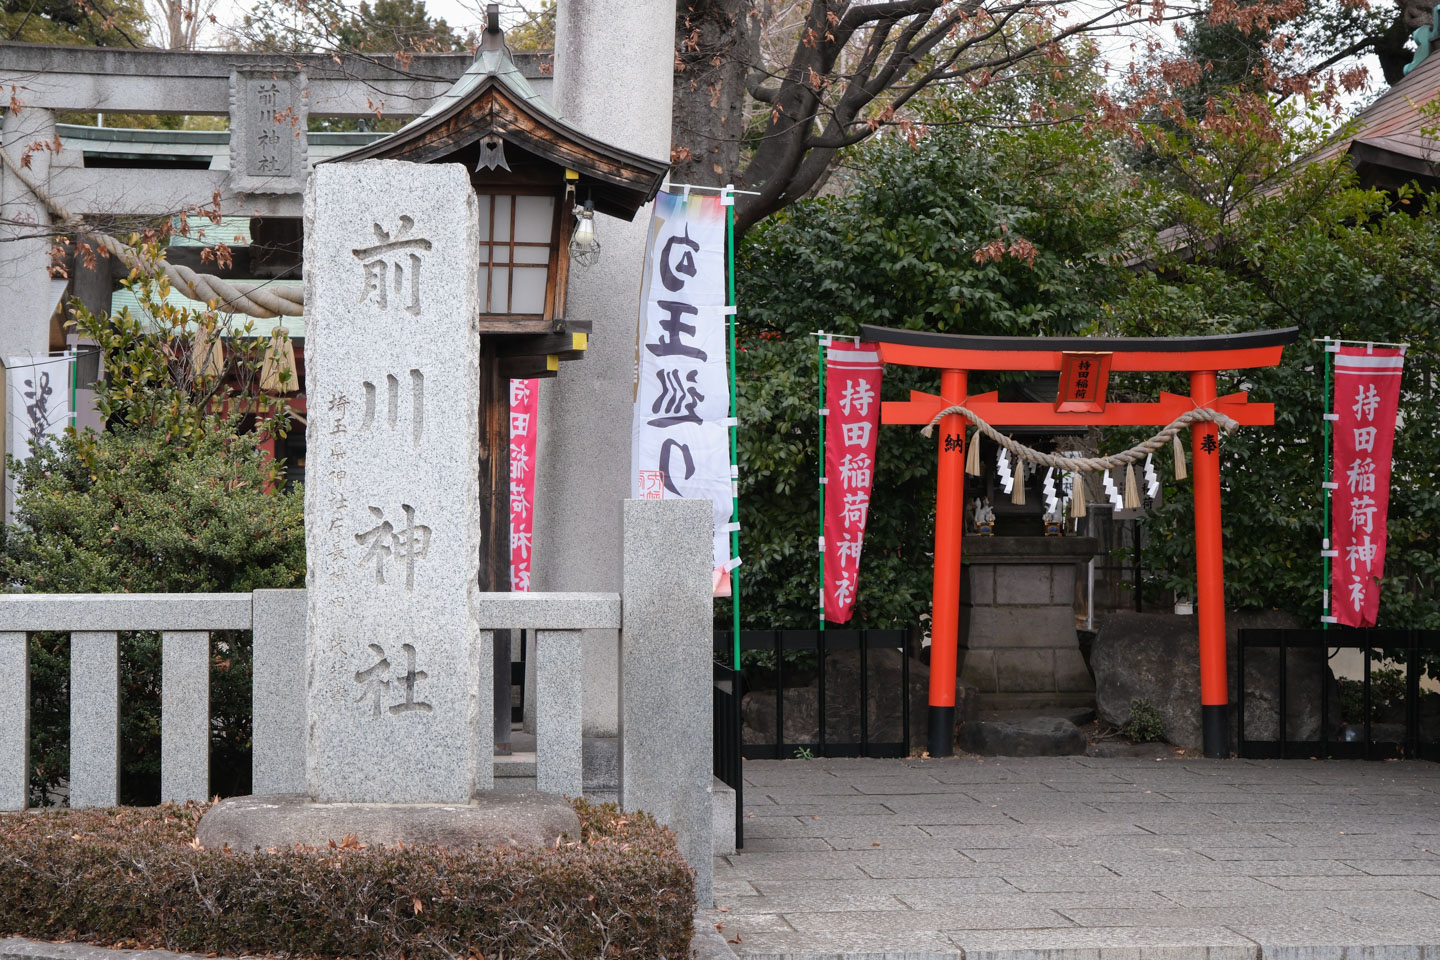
<point x="37" y="408"/>
<point x="680" y="443"/>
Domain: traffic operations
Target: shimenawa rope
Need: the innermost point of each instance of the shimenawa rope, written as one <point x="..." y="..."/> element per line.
<point x="264" y="300"/>
<point x="1088" y="464"/>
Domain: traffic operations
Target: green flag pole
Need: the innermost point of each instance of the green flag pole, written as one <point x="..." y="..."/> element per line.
<point x="727" y="197"/>
<point x="1328" y="615"/>
<point x="820" y="485"/>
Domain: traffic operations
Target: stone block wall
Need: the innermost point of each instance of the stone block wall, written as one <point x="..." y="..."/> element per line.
<point x="1018" y="636"/>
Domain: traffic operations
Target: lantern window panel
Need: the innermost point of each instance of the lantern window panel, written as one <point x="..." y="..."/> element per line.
<point x="516" y="254"/>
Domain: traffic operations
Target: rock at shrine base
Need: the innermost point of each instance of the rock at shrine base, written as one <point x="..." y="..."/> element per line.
<point x="518" y="820"/>
<point x="1032" y="737"/>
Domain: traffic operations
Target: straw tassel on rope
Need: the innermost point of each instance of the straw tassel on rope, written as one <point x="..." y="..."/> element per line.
<point x="1077" y="495"/>
<point x="1179" y="457"/>
<point x="972" y="456"/>
<point x="1132" y="490"/>
<point x="1017" y="491"/>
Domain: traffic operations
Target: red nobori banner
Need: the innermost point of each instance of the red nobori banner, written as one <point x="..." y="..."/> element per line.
<point x="852" y="394"/>
<point x="1367" y="399"/>
<point x="524" y="424"/>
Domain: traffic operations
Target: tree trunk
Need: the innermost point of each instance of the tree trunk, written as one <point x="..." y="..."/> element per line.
<point x="716" y="42"/>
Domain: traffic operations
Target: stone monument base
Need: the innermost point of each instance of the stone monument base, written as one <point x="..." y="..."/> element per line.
<point x="524" y="820"/>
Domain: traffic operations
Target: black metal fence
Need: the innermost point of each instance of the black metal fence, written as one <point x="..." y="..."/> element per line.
<point x="728" y="760"/>
<point x="1355" y="733"/>
<point x="868" y="717"/>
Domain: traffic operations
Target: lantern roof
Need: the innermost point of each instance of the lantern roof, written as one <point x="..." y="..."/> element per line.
<point x="493" y="101"/>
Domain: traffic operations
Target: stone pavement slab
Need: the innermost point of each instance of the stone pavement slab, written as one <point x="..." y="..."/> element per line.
<point x="1082" y="858"/>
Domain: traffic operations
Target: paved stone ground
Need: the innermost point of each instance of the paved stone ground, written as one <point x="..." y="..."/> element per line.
<point x="1079" y="858"/>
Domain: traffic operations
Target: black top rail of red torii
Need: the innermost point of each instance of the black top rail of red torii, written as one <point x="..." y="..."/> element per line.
<point x="958" y="351"/>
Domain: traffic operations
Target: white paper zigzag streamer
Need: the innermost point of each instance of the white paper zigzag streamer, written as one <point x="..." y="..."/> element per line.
<point x="1117" y="499"/>
<point x="1152" y="479"/>
<point x="1002" y="467"/>
<point x="1052" y="499"/>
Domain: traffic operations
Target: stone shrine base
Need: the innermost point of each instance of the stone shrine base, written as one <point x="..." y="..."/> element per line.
<point x="523" y="820"/>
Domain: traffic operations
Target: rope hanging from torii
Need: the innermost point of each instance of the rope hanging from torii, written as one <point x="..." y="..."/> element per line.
<point x="264" y="300"/>
<point x="1169" y="434"/>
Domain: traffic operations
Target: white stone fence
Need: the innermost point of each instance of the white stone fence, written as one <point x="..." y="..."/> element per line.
<point x="663" y="616"/>
<point x="277" y="621"/>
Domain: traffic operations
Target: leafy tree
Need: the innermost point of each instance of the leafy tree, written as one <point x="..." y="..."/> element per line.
<point x="1254" y="243"/>
<point x="173" y="497"/>
<point x="100" y="23"/>
<point x="1314" y="250"/>
<point x="768" y="95"/>
<point x="537" y="32"/>
<point x="401" y="27"/>
<point x="1019" y="232"/>
<point x="398" y="25"/>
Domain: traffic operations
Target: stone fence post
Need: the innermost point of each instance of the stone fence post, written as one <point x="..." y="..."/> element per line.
<point x="666" y="675"/>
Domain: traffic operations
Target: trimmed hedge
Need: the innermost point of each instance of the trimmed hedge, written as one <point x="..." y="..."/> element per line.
<point x="133" y="877"/>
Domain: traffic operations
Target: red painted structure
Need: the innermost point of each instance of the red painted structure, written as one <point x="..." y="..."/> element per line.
<point x="1201" y="358"/>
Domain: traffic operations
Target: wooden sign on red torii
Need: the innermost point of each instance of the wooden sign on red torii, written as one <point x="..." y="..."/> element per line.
<point x="955" y="355"/>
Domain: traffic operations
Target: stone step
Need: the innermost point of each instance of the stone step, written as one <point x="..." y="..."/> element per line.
<point x="1035" y="736"/>
<point x="1039" y="704"/>
<point x="515" y="765"/>
<point x="1078" y="714"/>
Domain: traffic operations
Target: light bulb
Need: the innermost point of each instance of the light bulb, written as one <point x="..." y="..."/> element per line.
<point x="584" y="247"/>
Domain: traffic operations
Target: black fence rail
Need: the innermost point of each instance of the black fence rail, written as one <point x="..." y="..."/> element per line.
<point x="869" y="716"/>
<point x="728" y="760"/>
<point x="1339" y="733"/>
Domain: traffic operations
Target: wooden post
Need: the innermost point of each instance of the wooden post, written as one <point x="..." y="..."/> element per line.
<point x="495" y="516"/>
<point x="949" y="521"/>
<point x="1209" y="574"/>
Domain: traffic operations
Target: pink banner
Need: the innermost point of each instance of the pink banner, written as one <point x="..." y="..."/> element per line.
<point x="1367" y="400"/>
<point x="852" y="394"/>
<point x="524" y="423"/>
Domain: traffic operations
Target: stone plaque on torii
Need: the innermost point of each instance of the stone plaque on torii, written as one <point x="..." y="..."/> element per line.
<point x="1200" y="358"/>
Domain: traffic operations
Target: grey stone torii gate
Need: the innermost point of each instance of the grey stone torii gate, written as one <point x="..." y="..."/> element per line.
<point x="47" y="80"/>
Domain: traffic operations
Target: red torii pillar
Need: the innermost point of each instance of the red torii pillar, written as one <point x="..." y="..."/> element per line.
<point x="955" y="355"/>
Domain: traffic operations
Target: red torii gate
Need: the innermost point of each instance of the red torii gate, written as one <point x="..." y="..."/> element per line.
<point x="955" y="355"/>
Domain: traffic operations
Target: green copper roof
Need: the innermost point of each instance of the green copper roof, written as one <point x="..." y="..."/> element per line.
<point x="495" y="63"/>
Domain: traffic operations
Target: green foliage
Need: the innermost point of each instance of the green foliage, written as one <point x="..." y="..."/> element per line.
<point x="398" y="25"/>
<point x="181" y="373"/>
<point x="137" y="513"/>
<point x="171" y="498"/>
<point x="1146" y="724"/>
<point x="132" y="511"/>
<point x="402" y="27"/>
<point x="535" y="33"/>
<point x="136" y="877"/>
<point x="84" y="23"/>
<point x="1315" y="251"/>
<point x="1014" y="233"/>
<point x="1024" y="233"/>
<point x="1387" y="697"/>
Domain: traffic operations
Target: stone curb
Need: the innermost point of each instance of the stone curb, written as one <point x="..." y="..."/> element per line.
<point x="710" y="944"/>
<point x="714" y="942"/>
<point x="707" y="944"/>
<point x="18" y="948"/>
